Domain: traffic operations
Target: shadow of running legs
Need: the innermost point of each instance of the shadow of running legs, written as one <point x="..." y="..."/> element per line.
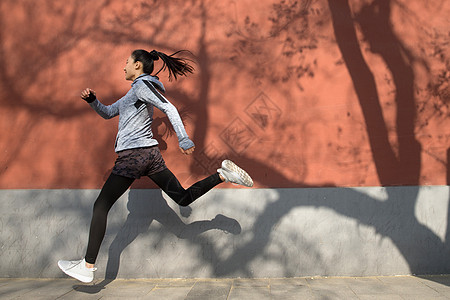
<point x="142" y="212"/>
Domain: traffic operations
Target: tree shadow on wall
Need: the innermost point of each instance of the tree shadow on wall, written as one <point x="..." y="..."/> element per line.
<point x="394" y="218"/>
<point x="403" y="167"/>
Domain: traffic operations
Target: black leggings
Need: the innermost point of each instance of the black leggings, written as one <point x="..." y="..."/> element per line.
<point x="116" y="185"/>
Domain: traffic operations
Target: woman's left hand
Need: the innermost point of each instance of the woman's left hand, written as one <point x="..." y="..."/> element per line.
<point x="187" y="151"/>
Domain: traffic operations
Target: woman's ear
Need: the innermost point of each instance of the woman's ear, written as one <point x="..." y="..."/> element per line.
<point x="138" y="65"/>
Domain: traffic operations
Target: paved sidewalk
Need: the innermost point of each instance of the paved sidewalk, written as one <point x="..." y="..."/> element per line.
<point x="401" y="287"/>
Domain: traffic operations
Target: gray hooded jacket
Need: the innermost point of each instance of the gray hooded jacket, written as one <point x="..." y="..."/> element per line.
<point x="135" y="111"/>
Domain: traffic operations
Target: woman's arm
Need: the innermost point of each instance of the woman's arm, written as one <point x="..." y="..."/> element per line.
<point x="146" y="92"/>
<point x="105" y="111"/>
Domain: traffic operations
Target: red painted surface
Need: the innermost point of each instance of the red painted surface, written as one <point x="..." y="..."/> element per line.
<point x="300" y="93"/>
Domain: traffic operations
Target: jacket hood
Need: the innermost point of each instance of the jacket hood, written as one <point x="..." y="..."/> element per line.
<point x="153" y="79"/>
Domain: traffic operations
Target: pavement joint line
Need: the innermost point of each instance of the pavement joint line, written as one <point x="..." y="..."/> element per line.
<point x="231" y="288"/>
<point x="192" y="287"/>
<point x="430" y="287"/>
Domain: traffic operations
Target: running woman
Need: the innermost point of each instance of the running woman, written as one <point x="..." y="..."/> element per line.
<point x="138" y="153"/>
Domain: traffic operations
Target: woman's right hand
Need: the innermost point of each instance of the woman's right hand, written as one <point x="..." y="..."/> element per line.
<point x="187" y="151"/>
<point x="88" y="95"/>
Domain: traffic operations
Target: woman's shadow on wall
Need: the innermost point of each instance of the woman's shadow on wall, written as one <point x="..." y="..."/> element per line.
<point x="144" y="208"/>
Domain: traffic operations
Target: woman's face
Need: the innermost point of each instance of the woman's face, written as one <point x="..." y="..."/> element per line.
<point x="130" y="69"/>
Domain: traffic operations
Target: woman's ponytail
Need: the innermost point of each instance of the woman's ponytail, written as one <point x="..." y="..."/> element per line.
<point x="175" y="65"/>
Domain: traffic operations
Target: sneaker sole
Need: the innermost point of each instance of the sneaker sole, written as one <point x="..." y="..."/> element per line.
<point x="230" y="166"/>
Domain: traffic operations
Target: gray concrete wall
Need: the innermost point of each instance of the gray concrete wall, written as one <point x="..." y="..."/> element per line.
<point x="232" y="233"/>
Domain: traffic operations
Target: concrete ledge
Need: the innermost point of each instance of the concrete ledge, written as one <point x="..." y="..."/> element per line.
<point x="232" y="233"/>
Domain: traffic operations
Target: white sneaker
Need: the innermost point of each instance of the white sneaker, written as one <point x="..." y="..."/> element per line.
<point x="77" y="269"/>
<point x="232" y="173"/>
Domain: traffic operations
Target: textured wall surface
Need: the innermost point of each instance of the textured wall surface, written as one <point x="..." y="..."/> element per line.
<point x="309" y="93"/>
<point x="232" y="233"/>
<point x="339" y="110"/>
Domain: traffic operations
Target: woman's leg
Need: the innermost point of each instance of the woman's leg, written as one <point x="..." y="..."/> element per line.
<point x="113" y="188"/>
<point x="172" y="187"/>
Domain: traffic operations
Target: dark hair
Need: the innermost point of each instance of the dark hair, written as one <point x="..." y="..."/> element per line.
<point x="176" y="66"/>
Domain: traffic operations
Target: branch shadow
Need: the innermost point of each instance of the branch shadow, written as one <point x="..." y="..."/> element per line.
<point x="393" y="168"/>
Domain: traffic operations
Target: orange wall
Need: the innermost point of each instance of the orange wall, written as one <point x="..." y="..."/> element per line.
<point x="300" y="93"/>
